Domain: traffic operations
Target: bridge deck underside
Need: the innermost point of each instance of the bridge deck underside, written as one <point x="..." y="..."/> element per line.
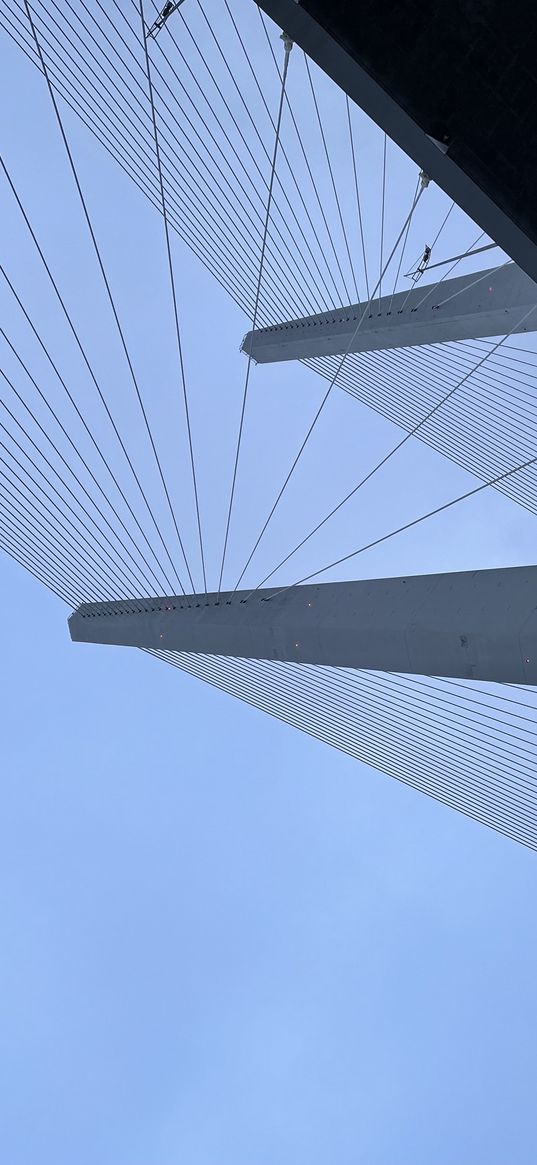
<point x="455" y="85"/>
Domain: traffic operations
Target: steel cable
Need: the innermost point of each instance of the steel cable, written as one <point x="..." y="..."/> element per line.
<point x="357" y="192"/>
<point x="61" y="380"/>
<point x="409" y="525"/>
<point x="123" y="157"/>
<point x="334" y="186"/>
<point x="318" y="414"/>
<point x="174" y="298"/>
<point x="92" y="375"/>
<point x="391" y="453"/>
<point x="122" y="562"/>
<point x="117" y="321"/>
<point x="272" y="688"/>
<point x="287" y="51"/>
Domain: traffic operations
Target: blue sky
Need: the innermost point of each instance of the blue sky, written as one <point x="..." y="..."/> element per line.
<point x="222" y="942"/>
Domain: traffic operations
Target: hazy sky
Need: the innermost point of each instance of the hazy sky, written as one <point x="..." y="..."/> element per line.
<point x="221" y="942"/>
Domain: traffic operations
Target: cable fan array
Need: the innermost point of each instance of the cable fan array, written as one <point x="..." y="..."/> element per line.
<point x="473" y="750"/>
<point x="323" y="248"/>
<point x="287" y="226"/>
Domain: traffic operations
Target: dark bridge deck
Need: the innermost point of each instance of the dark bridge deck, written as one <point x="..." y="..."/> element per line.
<point x="461" y="72"/>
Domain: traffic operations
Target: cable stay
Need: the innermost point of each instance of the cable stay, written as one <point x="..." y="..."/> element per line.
<point x="287" y="47"/>
<point x="173" y="293"/>
<point x="362" y="315"/>
<point x="389" y="734"/>
<point x="401" y="673"/>
<point x="114" y="312"/>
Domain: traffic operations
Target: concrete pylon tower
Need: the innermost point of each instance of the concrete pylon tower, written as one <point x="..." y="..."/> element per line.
<point x="479" y="625"/>
<point x="468" y="307"/>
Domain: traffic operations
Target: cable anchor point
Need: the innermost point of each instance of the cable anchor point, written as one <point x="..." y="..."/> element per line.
<point x="287" y="42"/>
<point x="424" y="179"/>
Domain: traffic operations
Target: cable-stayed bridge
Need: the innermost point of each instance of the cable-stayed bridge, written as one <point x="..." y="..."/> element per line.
<point x="227" y="131"/>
